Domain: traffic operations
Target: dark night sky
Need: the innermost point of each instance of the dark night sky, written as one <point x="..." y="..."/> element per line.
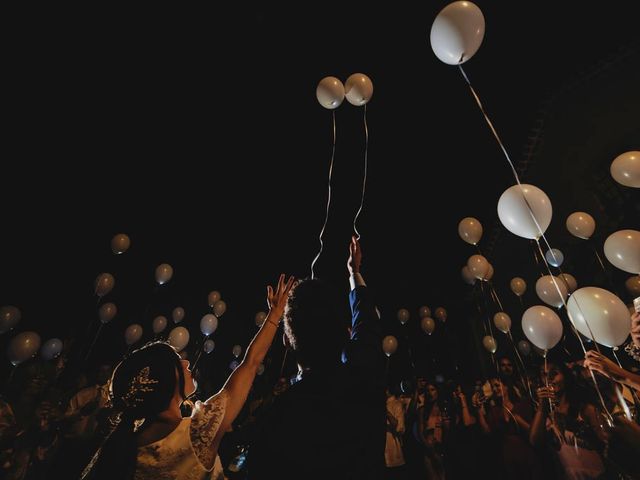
<point x="199" y="135"/>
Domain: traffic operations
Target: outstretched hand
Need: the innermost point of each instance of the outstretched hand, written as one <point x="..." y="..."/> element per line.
<point x="355" y="256"/>
<point x="601" y="364"/>
<point x="278" y="299"/>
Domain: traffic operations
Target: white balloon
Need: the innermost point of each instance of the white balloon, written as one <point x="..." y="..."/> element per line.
<point x="330" y="92"/>
<point x="502" y="322"/>
<point x="570" y="281"/>
<point x="9" y="317"/>
<point x="518" y="286"/>
<point x="208" y="324"/>
<point x="179" y="338"/>
<point x="622" y="249"/>
<point x="490" y="343"/>
<point x="403" y="315"/>
<point x="524" y="347"/>
<point x="237" y="350"/>
<point x="516" y="215"/>
<point x="159" y="324"/>
<point x="177" y="315"/>
<point x="478" y="266"/>
<point x="51" y="348"/>
<point x="219" y="308"/>
<point x="467" y="276"/>
<point x="389" y="345"/>
<point x="104" y="284"/>
<point x="107" y="312"/>
<point x="132" y="334"/>
<point x="358" y="89"/>
<point x="548" y="293"/>
<point x="164" y="272"/>
<point x="554" y="257"/>
<point x="424" y="311"/>
<point x="213" y="297"/>
<point x="428" y="325"/>
<point x="542" y="326"/>
<point x="23" y="346"/>
<point x="120" y="243"/>
<point x="260" y="318"/>
<point x="606" y="315"/>
<point x="209" y="345"/>
<point x="457" y="32"/>
<point x="625" y="169"/>
<point x="234" y="364"/>
<point x="581" y="225"/>
<point x="470" y="230"/>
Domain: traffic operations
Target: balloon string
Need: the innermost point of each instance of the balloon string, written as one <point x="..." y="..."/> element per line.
<point x="496" y="296"/>
<point x="521" y="365"/>
<point x="364" y="179"/>
<point x="535" y="257"/>
<point x="200" y="350"/>
<point x="595" y="250"/>
<point x="326" y="217"/>
<point x="546" y="383"/>
<point x="86" y="357"/>
<point x="284" y="360"/>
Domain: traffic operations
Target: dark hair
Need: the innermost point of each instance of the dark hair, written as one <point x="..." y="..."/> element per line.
<point x="312" y="323"/>
<point x="142" y="386"/>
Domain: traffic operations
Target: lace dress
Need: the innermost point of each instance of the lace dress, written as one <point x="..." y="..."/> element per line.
<point x="187" y="452"/>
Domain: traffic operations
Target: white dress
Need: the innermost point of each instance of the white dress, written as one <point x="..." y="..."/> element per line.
<point x="187" y="452"/>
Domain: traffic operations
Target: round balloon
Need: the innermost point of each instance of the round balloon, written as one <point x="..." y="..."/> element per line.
<point x="490" y="343"/>
<point x="554" y="257"/>
<point x="470" y="230"/>
<point x="457" y="32"/>
<point x="518" y="286"/>
<point x="177" y="315"/>
<point x="570" y="282"/>
<point x="633" y="285"/>
<point x="132" y="334"/>
<point x="478" y="266"/>
<point x="9" y="317"/>
<point x="234" y="364"/>
<point x="107" y="311"/>
<point x="358" y="89"/>
<point x="164" y="272"/>
<point x="581" y="225"/>
<point x="179" y="338"/>
<point x="209" y="345"/>
<point x="542" y="326"/>
<point x="23" y="346"/>
<point x="213" y="297"/>
<point x="424" y="311"/>
<point x="403" y="315"/>
<point x="51" y="348"/>
<point x="599" y="315"/>
<point x="625" y="169"/>
<point x="622" y="249"/>
<point x="389" y="345"/>
<point x="104" y="284"/>
<point x="208" y="324"/>
<point x="330" y="92"/>
<point x="441" y="314"/>
<point x="467" y="276"/>
<point x="517" y="215"/>
<point x="502" y="322"/>
<point x="428" y="325"/>
<point x="236" y="350"/>
<point x="524" y="347"/>
<point x="489" y="274"/>
<point x="219" y="308"/>
<point x="260" y="318"/>
<point x="159" y="324"/>
<point x="547" y="288"/>
<point x="120" y="243"/>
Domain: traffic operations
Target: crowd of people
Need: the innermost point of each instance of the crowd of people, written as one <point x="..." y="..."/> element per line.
<point x="339" y="416"/>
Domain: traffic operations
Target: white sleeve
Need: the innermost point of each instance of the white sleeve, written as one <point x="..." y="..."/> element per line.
<point x="205" y="423"/>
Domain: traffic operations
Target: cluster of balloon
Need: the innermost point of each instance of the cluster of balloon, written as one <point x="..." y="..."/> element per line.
<point x="107" y="311"/>
<point x="424" y="311"/>
<point x="159" y="324"/>
<point x="104" y="284"/>
<point x="441" y="314"/>
<point x="502" y="321"/>
<point x="132" y="334"/>
<point x="389" y="345"/>
<point x="260" y="318"/>
<point x="120" y="243"/>
<point x="208" y="324"/>
<point x="9" y="317"/>
<point x="164" y="272"/>
<point x="470" y="230"/>
<point x="581" y="225"/>
<point x="403" y="315"/>
<point x="236" y="350"/>
<point x="542" y="327"/>
<point x="23" y="346"/>
<point x="457" y="32"/>
<point x="517" y="215"/>
<point x="608" y="319"/>
<point x="625" y="169"/>
<point x="622" y="249"/>
<point x="518" y="286"/>
<point x="51" y="349"/>
<point x="177" y="315"/>
<point x="490" y="344"/>
<point x="179" y="338"/>
<point x="331" y="92"/>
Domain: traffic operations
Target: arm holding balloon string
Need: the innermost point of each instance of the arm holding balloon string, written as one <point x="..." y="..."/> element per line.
<point x="601" y="364"/>
<point x="546" y="396"/>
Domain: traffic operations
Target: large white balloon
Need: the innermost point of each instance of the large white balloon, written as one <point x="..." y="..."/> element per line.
<point x="490" y="343"/>
<point x="457" y="32"/>
<point x="23" y="346"/>
<point x="548" y="293"/>
<point x="428" y="325"/>
<point x="179" y="338"/>
<point x="358" y="89"/>
<point x="403" y="315"/>
<point x="622" y="249"/>
<point x="330" y="92"/>
<point x="605" y="314"/>
<point x="159" y="324"/>
<point x="502" y="322"/>
<point x="516" y="215"/>
<point x="625" y="169"/>
<point x="120" y="243"/>
<point x="51" y="348"/>
<point x="164" y="272"/>
<point x="9" y="317"/>
<point x="542" y="326"/>
<point x="470" y="230"/>
<point x="389" y="345"/>
<point x="132" y="334"/>
<point x="581" y="225"/>
<point x="208" y="324"/>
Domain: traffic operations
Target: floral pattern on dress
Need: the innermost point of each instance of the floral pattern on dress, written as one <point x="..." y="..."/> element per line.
<point x="205" y="423"/>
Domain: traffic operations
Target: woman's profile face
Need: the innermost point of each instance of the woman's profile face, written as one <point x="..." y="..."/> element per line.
<point x="190" y="384"/>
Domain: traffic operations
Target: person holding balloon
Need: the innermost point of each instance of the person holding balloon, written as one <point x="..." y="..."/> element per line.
<point x="146" y="436"/>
